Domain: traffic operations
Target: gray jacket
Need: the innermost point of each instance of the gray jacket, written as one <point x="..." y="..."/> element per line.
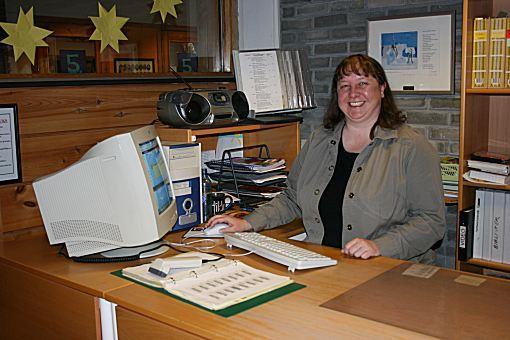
<point x="394" y="195"/>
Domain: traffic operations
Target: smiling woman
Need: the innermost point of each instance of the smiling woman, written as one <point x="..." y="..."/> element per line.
<point x="81" y="38"/>
<point x="365" y="181"/>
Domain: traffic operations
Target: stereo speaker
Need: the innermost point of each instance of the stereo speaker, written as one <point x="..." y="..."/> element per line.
<point x="191" y="108"/>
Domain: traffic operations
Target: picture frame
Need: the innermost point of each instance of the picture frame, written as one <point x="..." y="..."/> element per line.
<point x="416" y="52"/>
<point x="134" y="65"/>
<point x="10" y="155"/>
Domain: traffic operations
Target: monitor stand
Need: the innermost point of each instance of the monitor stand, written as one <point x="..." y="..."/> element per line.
<point x="145" y="251"/>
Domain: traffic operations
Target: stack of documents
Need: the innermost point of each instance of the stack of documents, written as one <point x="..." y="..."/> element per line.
<point x="491" y="168"/>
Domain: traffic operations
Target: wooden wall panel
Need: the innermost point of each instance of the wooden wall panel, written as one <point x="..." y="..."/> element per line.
<point x="58" y="124"/>
<point x="41" y="309"/>
<point x="65" y="108"/>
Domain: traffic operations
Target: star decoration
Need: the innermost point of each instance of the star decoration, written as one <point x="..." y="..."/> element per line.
<point x="164" y="7"/>
<point x="108" y="26"/>
<point x="24" y="37"/>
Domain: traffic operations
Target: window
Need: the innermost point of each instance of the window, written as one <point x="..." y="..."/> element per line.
<point x="199" y="39"/>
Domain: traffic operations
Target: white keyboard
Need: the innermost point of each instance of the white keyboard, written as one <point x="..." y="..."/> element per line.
<point x="278" y="251"/>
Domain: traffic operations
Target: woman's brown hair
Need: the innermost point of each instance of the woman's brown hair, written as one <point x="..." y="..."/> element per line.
<point x="390" y="117"/>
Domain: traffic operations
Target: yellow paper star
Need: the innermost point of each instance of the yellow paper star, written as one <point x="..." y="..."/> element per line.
<point x="24" y="37"/>
<point x="108" y="26"/>
<point x="164" y="7"/>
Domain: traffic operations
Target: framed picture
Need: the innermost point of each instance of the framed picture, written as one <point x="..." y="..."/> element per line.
<point x="10" y="157"/>
<point x="417" y="52"/>
<point x="72" y="61"/>
<point x="128" y="65"/>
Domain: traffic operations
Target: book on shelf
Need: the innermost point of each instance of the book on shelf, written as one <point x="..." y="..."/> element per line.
<point x="248" y="164"/>
<point x="507" y="54"/>
<point x="488" y="177"/>
<point x="492" y="157"/>
<point x="506" y="231"/>
<point x="495" y="168"/>
<point x="214" y="285"/>
<point x="497" y="50"/>
<point x="465" y="237"/>
<point x="480" y="52"/>
<point x="450" y="186"/>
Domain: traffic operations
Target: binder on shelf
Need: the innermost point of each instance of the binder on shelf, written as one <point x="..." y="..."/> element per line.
<point x="506" y="232"/>
<point x="215" y="285"/>
<point x="487" y="224"/>
<point x="466" y="229"/>
<point x="497" y="50"/>
<point x="478" y="224"/>
<point x="497" y="224"/>
<point x="480" y="52"/>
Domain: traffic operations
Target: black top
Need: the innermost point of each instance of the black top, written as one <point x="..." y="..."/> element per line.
<point x="330" y="204"/>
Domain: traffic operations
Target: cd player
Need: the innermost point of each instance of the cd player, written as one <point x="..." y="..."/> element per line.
<point x="188" y="108"/>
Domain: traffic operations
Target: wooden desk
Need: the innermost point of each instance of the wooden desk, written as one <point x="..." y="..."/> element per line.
<point x="58" y="298"/>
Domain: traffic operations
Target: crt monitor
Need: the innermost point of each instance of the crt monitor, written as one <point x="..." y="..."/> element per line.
<point x="119" y="194"/>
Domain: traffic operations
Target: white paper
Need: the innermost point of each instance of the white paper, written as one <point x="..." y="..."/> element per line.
<point x="8" y="151"/>
<point x="258" y="76"/>
<point x="226" y="142"/>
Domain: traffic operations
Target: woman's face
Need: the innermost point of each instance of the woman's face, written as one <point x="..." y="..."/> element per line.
<point x="359" y="97"/>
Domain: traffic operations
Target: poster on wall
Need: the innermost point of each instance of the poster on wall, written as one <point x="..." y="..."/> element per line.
<point x="417" y="52"/>
<point x="10" y="159"/>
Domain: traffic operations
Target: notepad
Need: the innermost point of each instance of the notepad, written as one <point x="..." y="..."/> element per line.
<point x="215" y="285"/>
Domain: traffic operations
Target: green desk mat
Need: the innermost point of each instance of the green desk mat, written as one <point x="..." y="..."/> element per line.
<point x="234" y="309"/>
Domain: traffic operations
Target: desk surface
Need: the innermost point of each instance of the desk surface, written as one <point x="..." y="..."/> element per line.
<point x="298" y="314"/>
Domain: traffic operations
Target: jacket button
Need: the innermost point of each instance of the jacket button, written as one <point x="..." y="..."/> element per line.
<point x="316" y="191"/>
<point x="317" y="220"/>
<point x="359" y="169"/>
<point x="333" y="142"/>
<point x="331" y="167"/>
<point x="351" y="195"/>
<point x="349" y="227"/>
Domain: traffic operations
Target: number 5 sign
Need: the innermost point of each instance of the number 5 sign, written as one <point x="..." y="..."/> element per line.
<point x="187" y="62"/>
<point x="72" y="61"/>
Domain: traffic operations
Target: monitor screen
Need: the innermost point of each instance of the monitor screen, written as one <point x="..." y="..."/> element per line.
<point x="158" y="174"/>
<point x="119" y="194"/>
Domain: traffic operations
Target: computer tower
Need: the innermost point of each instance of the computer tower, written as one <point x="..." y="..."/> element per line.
<point x="184" y="162"/>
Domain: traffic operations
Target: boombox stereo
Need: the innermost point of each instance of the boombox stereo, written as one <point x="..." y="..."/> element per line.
<point x="192" y="108"/>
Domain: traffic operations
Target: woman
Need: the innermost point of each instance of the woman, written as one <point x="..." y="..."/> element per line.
<point x="365" y="181"/>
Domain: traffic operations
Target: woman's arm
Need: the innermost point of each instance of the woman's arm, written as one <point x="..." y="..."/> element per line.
<point x="425" y="223"/>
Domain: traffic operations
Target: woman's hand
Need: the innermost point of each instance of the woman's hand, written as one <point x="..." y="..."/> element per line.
<point x="235" y="224"/>
<point x="360" y="247"/>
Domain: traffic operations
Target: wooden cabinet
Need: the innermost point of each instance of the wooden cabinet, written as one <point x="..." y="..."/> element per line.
<point x="485" y="121"/>
<point x="282" y="139"/>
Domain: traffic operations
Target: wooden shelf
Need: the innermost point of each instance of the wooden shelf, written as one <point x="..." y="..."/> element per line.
<point x="486" y="185"/>
<point x="489" y="91"/>
<point x="489" y="264"/>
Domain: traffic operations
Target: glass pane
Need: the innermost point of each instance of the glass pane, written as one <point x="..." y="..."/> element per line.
<point x="190" y="42"/>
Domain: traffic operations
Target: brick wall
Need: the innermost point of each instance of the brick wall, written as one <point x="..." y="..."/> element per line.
<point x="332" y="30"/>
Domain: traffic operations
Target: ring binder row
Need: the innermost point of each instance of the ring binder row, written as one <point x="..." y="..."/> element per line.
<point x="196" y="273"/>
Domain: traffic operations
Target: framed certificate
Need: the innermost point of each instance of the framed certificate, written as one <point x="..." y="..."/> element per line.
<point x="10" y="159"/>
<point x="417" y="52"/>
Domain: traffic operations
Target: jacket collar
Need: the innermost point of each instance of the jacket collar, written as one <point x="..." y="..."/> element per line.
<point x="379" y="133"/>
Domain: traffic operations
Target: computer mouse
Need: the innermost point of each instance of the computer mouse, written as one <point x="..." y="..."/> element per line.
<point x="215" y="229"/>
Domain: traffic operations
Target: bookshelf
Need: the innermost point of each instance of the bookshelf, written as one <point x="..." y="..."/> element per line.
<point x="484" y="119"/>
